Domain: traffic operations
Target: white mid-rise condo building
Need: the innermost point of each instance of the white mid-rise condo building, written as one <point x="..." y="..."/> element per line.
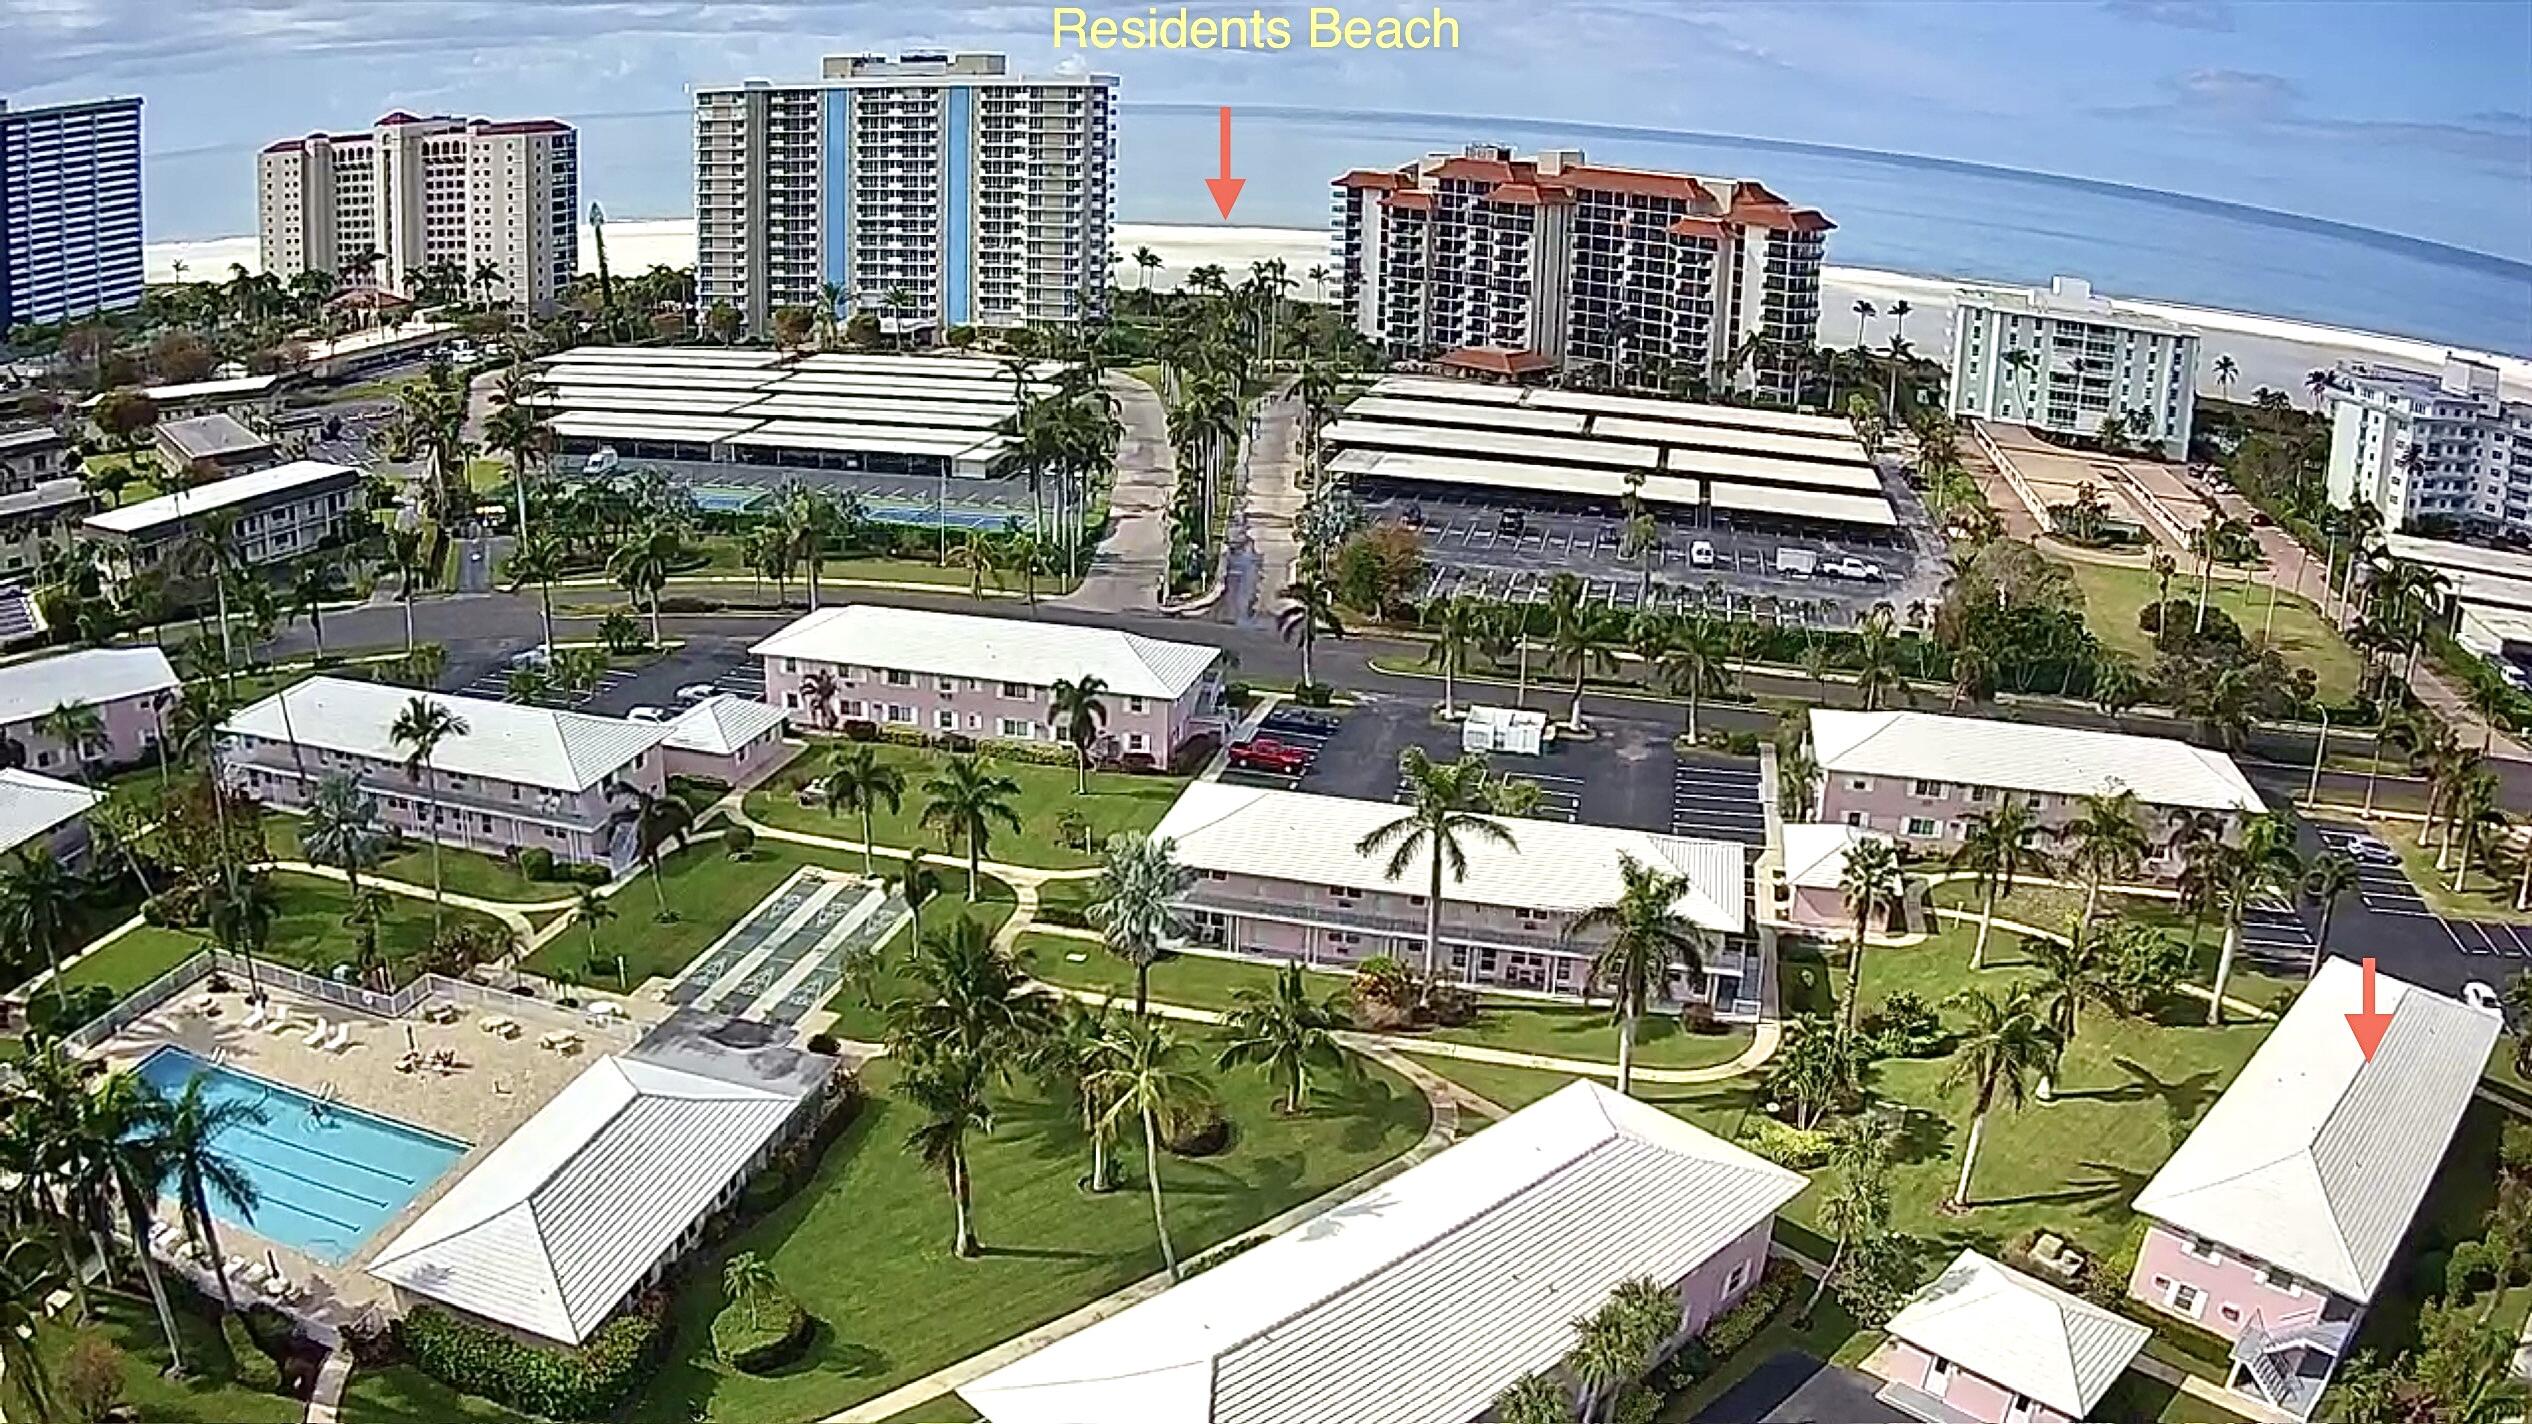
<point x="1513" y="266"/>
<point x="70" y="210"/>
<point x="2422" y="446"/>
<point x="2083" y="359"/>
<point x="490" y="198"/>
<point x="932" y="190"/>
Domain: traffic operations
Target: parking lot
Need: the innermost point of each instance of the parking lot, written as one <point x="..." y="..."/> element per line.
<point x="1473" y="550"/>
<point x="723" y="664"/>
<point x="2386" y="917"/>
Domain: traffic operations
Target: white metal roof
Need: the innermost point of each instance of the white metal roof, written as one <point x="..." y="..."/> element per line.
<point x="992" y="649"/>
<point x="634" y="425"/>
<point x="1815" y="853"/>
<point x="32" y="805"/>
<point x="1499" y="474"/>
<point x="661" y="378"/>
<point x="207" y="437"/>
<point x="556" y="1224"/>
<point x="504" y="741"/>
<point x="1442" y="389"/>
<point x="1552" y="865"/>
<point x="1841" y="450"/>
<point x="700" y="356"/>
<point x="1747" y="417"/>
<point x="1826" y="505"/>
<point x="948" y="415"/>
<point x="1348" y="432"/>
<point x="887" y="439"/>
<point x="1762" y="470"/>
<point x="201" y="390"/>
<point x="1484" y="417"/>
<point x="954" y="367"/>
<point x="2059" y="761"/>
<point x="1417" y="1302"/>
<point x="2315" y="1159"/>
<point x="2024" y="1334"/>
<point x="639" y="399"/>
<point x="219" y="494"/>
<point x="95" y="676"/>
<point x="721" y="724"/>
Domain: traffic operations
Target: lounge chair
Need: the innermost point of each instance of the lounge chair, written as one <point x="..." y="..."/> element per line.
<point x="281" y="1023"/>
<point x="254" y="1017"/>
<point x="315" y="1035"/>
<point x="340" y="1039"/>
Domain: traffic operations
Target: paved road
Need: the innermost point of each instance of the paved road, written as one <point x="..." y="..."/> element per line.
<point x="1261" y="565"/>
<point x="1125" y="574"/>
<point x="1790" y="1387"/>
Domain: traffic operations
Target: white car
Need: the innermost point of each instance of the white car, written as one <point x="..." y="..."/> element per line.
<point x="2479" y="996"/>
<point x="1701" y="554"/>
<point x="647" y="714"/>
<point x="696" y="691"/>
<point x="2370" y="850"/>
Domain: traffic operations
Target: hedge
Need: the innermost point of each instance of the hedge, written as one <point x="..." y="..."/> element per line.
<point x="583" y="1383"/>
<point x="1726" y="1334"/>
<point x="1796" y="1147"/>
<point x="773" y="1337"/>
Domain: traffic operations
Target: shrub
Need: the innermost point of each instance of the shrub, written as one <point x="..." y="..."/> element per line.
<point x="588" y="873"/>
<point x="2471" y="1268"/>
<point x="739" y="841"/>
<point x="249" y="1365"/>
<point x="91" y="1375"/>
<point x="857" y="730"/>
<point x="59" y="1013"/>
<point x="688" y="603"/>
<point x="1736" y="1327"/>
<point x="1384" y="993"/>
<point x="1313" y="694"/>
<point x="824" y="1044"/>
<point x="764" y="1332"/>
<point x="1451" y="1005"/>
<point x="1801" y="1148"/>
<point x="536" y="863"/>
<point x="1904" y="1025"/>
<point x="583" y="1383"/>
<point x="1199" y="1132"/>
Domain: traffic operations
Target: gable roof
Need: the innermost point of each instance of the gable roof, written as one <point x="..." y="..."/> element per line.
<point x="992" y="649"/>
<point x="2061" y="761"/>
<point x="95" y="676"/>
<point x="721" y="724"/>
<point x="504" y="741"/>
<point x="1815" y="853"/>
<point x="32" y="805"/>
<point x="1552" y="865"/>
<point x="2024" y="1334"/>
<point x="1416" y="1302"/>
<point x="558" y="1222"/>
<point x="2316" y="1158"/>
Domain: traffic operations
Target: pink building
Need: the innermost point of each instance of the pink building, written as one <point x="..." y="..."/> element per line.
<point x="1424" y="1297"/>
<point x="1987" y="1343"/>
<point x="1275" y="874"/>
<point x="2276" y="1221"/>
<point x="38" y="811"/>
<point x="129" y="688"/>
<point x="957" y="674"/>
<point x="1921" y="778"/>
<point x="1815" y="873"/>
<point x="517" y="777"/>
<point x="725" y="738"/>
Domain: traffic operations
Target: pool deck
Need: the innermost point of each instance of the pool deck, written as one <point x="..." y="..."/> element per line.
<point x="498" y="1084"/>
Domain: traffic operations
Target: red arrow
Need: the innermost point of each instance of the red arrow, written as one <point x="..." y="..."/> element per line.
<point x="1226" y="189"/>
<point x="2368" y="1025"/>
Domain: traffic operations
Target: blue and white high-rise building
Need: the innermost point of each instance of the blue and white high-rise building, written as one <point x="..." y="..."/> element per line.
<point x="933" y="190"/>
<point x="70" y="210"/>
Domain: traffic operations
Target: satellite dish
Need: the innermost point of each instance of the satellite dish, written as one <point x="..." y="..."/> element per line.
<point x="603" y="462"/>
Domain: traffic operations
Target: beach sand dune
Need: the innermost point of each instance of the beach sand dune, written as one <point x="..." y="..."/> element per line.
<point x="2270" y="351"/>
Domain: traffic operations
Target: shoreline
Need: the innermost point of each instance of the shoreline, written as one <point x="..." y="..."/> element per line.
<point x="2271" y="351"/>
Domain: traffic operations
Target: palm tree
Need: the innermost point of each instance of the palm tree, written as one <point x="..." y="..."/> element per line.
<point x="1136" y="911"/>
<point x="115" y="1136"/>
<point x="2332" y="875"/>
<point x="1309" y="610"/>
<point x="963" y="802"/>
<point x="342" y="827"/>
<point x="916" y="883"/>
<point x="37" y="900"/>
<point x="1870" y="878"/>
<point x="1076" y="711"/>
<point x="1457" y="624"/>
<point x="1577" y="636"/>
<point x="1508" y="635"/>
<point x="81" y="732"/>
<point x="948" y="1091"/>
<point x="186" y="1140"/>
<point x="861" y="782"/>
<point x="1444" y="804"/>
<point x="2226" y="373"/>
<point x="642" y="563"/>
<point x="2001" y="1048"/>
<point x="746" y="1279"/>
<point x="1286" y="1032"/>
<point x="2108" y="843"/>
<point x="1145" y="260"/>
<point x="593" y="909"/>
<point x="1995" y="847"/>
<point x="1066" y="1059"/>
<point x="2073" y="972"/>
<point x="538" y="559"/>
<point x="1648" y="941"/>
<point x="1695" y="662"/>
<point x="419" y="730"/>
<point x="2264" y="863"/>
<point x="1140" y="1077"/>
<point x="1877" y="664"/>
<point x="27" y="1275"/>
<point x="1864" y="312"/>
<point x="655" y="821"/>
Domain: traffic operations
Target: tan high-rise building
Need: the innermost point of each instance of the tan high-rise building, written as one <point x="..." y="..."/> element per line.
<point x="1517" y="265"/>
<point x="374" y="208"/>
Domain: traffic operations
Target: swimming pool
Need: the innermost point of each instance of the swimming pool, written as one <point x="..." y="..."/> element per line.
<point x="327" y="1176"/>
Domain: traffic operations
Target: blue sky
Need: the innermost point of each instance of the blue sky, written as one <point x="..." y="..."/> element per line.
<point x="2408" y="117"/>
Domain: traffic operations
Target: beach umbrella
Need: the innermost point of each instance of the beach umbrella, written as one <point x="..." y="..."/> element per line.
<point x="409" y="1045"/>
<point x="271" y="1261"/>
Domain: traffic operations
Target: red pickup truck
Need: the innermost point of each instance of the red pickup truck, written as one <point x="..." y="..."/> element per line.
<point x="1267" y="754"/>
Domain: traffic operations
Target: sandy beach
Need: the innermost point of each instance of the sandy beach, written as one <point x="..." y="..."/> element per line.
<point x="2270" y="351"/>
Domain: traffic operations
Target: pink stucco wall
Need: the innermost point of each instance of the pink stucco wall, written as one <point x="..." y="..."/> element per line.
<point x="2232" y="1285"/>
<point x="1719" y="1283"/>
<point x="1972" y="1394"/>
<point x="989" y="710"/>
<point x="130" y="725"/>
<point x="1889" y="803"/>
<point x="765" y="751"/>
<point x="1821" y="907"/>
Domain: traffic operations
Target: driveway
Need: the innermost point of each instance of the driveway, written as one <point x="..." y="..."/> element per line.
<point x="1622" y="776"/>
<point x="1125" y="573"/>
<point x="1793" y="1388"/>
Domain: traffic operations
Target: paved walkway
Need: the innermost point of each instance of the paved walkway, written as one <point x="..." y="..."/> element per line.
<point x="325" y="1398"/>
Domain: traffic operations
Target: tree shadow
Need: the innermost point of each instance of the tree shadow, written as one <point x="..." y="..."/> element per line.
<point x="831" y="1354"/>
<point x="2184" y="1100"/>
<point x="1921" y="1137"/>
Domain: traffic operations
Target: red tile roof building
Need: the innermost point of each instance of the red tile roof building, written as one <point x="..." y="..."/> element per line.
<point x="414" y="193"/>
<point x="1649" y="275"/>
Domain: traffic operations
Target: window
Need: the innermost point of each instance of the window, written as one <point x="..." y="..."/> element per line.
<point x="1134" y="704"/>
<point x="2203" y="1249"/>
<point x="1344" y="892"/>
<point x="1856" y="819"/>
<point x="1738" y="1277"/>
<point x="2186" y="1299"/>
<point x="945" y="720"/>
<point x="1859" y="783"/>
<point x="1136" y="742"/>
<point x="1922" y="826"/>
<point x="899" y="712"/>
<point x="2278" y="1280"/>
<point x="1978" y="795"/>
<point x="2232" y="1314"/>
<point x="1925" y="788"/>
<point x="1019" y="690"/>
<point x="1019" y="727"/>
<point x="898" y="677"/>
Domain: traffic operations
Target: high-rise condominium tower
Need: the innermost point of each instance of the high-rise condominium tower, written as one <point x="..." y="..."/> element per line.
<point x="70" y="210"/>
<point x="2439" y="449"/>
<point x="1664" y="281"/>
<point x="497" y="201"/>
<point x="933" y="190"/>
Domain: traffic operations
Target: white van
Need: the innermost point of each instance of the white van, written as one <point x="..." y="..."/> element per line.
<point x="1799" y="563"/>
<point x="1701" y="554"/>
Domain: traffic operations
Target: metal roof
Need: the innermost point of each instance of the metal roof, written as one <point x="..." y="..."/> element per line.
<point x="209" y="437"/>
<point x="1552" y="866"/>
<point x="2032" y="1338"/>
<point x="1347" y="432"/>
<point x="93" y="676"/>
<point x="992" y="649"/>
<point x="1746" y="417"/>
<point x="1439" y="389"/>
<point x="1400" y="409"/>
<point x="1858" y="480"/>
<point x="32" y="805"/>
<point x="2316" y="1158"/>
<point x="219" y="494"/>
<point x="503" y="741"/>
<point x="1826" y="505"/>
<point x="1815" y="853"/>
<point x="1497" y="474"/>
<point x="1417" y="1302"/>
<point x="885" y="439"/>
<point x="1774" y="444"/>
<point x="2058" y="761"/>
<point x="722" y="724"/>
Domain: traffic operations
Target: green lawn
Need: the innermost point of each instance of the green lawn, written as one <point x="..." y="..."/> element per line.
<point x="1118" y="801"/>
<point x="307" y="933"/>
<point x="462" y="872"/>
<point x="2113" y="596"/>
<point x="485" y="473"/>
<point x="939" y="1409"/>
<point x="866" y="1247"/>
<point x="705" y="890"/>
<point x="860" y="1005"/>
<point x="135" y="959"/>
<point x="210" y="1392"/>
<point x="2486" y="899"/>
<point x="1520" y="1025"/>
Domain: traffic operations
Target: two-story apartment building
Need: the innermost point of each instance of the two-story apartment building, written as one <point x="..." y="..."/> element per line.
<point x="1276" y="875"/>
<point x="39" y="811"/>
<point x="128" y="688"/>
<point x="2274" y="1223"/>
<point x="42" y="497"/>
<point x="990" y="679"/>
<point x="1921" y="777"/>
<point x="217" y="441"/>
<point x="285" y="512"/>
<point x="516" y="777"/>
<point x="1985" y="1343"/>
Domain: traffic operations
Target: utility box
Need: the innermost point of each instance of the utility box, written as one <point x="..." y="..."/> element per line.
<point x="1503" y="729"/>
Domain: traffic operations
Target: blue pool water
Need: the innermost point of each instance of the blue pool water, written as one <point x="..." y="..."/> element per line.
<point x="726" y="499"/>
<point x="328" y="1176"/>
